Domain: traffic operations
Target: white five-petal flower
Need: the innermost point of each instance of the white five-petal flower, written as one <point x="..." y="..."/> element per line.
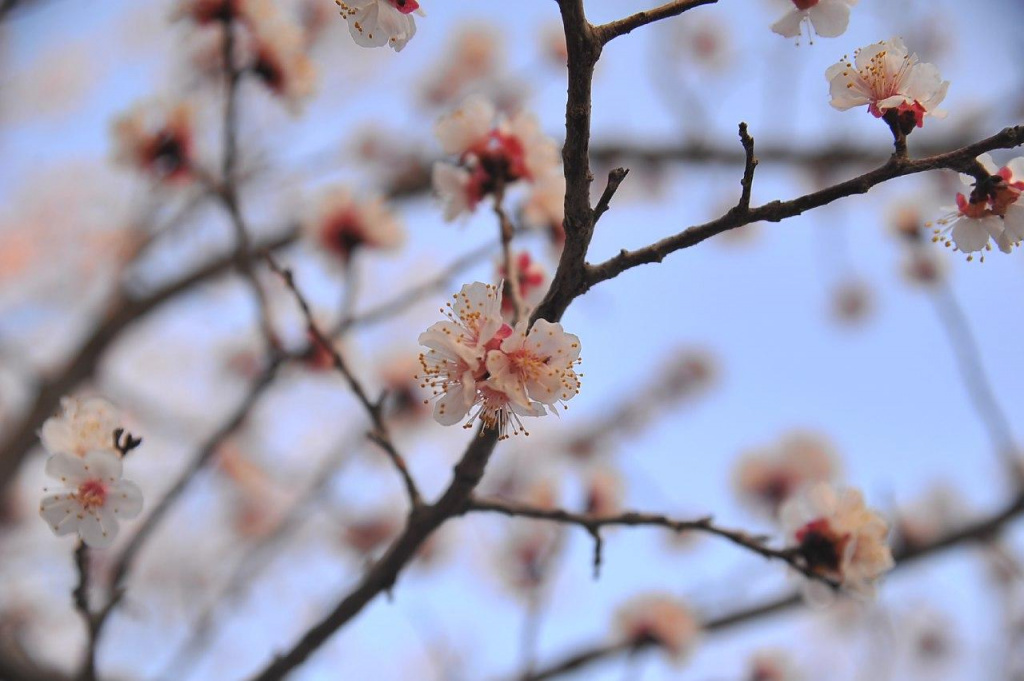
<point x="374" y="23"/>
<point x="828" y="18"/>
<point x="885" y="77"/>
<point x="94" y="497"/>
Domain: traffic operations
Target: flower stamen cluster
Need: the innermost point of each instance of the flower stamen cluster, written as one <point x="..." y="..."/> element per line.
<point x="480" y="368"/>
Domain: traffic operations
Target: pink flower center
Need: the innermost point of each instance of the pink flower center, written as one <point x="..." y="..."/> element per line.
<point x="821" y="546"/>
<point x="805" y="4"/>
<point x="405" y="6"/>
<point x="92" y="494"/>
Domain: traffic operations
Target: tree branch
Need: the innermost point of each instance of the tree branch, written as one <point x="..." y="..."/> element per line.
<point x="610" y="31"/>
<point x="960" y="160"/>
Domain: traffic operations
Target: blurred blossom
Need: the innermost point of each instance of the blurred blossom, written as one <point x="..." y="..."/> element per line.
<point x="772" y="665"/>
<point x="404" y="402"/>
<point x="491" y="153"/>
<point x="370" y="532"/>
<point x="280" y="60"/>
<point x="852" y="302"/>
<point x="838" y="538"/>
<point x="544" y="207"/>
<point x="703" y="42"/>
<point x="533" y="281"/>
<point x="659" y="619"/>
<point x="604" y="492"/>
<point x="764" y="479"/>
<point x="344" y="225"/>
<point x="552" y="44"/>
<point x="259" y="503"/>
<point x="157" y="138"/>
<point x="85" y="424"/>
<point x="940" y="511"/>
<point x="525" y="557"/>
<point x="827" y="18"/>
<point x="472" y="57"/>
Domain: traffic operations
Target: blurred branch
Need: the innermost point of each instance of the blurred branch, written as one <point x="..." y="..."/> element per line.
<point x="610" y="31"/>
<point x="962" y="159"/>
<point x="121" y="314"/>
<point x="979" y="389"/>
<point x="374" y="409"/>
<point x="506" y="232"/>
<point x="980" y="531"/>
<point x="123" y="563"/>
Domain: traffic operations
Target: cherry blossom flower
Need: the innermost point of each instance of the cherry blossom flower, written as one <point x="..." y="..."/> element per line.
<point x="94" y="497"/>
<point x="827" y="18"/>
<point x="659" y="619"/>
<point x="887" y="79"/>
<point x="374" y="23"/>
<point x="604" y="492"/>
<point x="84" y="425"/>
<point x="491" y="153"/>
<point x="536" y="366"/>
<point x="480" y="367"/>
<point x="990" y="211"/>
<point x="838" y="538"/>
<point x="545" y="207"/>
<point x="472" y="57"/>
<point x="772" y="665"/>
<point x="765" y="479"/>
<point x="279" y="58"/>
<point x="156" y="138"/>
<point x="343" y="225"/>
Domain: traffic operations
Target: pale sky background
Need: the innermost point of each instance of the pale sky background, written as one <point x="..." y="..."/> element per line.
<point x="886" y="391"/>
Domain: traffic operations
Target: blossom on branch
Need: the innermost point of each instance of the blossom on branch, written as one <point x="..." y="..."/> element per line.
<point x="156" y="138"/>
<point x="480" y="367"/>
<point x="991" y="211"/>
<point x="491" y="153"/>
<point x="84" y="425"/>
<point x="93" y="499"/>
<point x="344" y="225"/>
<point x="886" y="78"/>
<point x="374" y="23"/>
<point x="827" y="18"/>
<point x="659" y="619"/>
<point x="837" y="537"/>
<point x="767" y="478"/>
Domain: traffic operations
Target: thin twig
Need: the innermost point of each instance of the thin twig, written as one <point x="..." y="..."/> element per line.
<point x="593" y="525"/>
<point x="511" y="290"/>
<point x="962" y="160"/>
<point x="749" y="164"/>
<point x="614" y="29"/>
<point x="975" y="380"/>
<point x="374" y="409"/>
<point x="615" y="178"/>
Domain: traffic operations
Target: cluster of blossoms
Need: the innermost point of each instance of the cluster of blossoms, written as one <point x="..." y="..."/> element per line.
<point x="661" y="620"/>
<point x="272" y="45"/>
<point x="491" y="154"/>
<point x="532" y="279"/>
<point x="892" y="83"/>
<point x="827" y="18"/>
<point x="375" y="23"/>
<point x="767" y="478"/>
<point x="86" y="459"/>
<point x="838" y="538"/>
<point x="477" y="363"/>
<point x="991" y="211"/>
<point x="344" y="225"/>
<point x="156" y="138"/>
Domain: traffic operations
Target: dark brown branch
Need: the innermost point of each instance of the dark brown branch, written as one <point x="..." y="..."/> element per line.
<point x="374" y="409"/>
<point x="749" y="164"/>
<point x="593" y="525"/>
<point x="960" y="160"/>
<point x="615" y="178"/>
<point x="982" y="531"/>
<point x="614" y="29"/>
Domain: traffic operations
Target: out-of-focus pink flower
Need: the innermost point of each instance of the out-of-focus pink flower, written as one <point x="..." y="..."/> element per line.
<point x="659" y="619"/>
<point x="156" y="138"/>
